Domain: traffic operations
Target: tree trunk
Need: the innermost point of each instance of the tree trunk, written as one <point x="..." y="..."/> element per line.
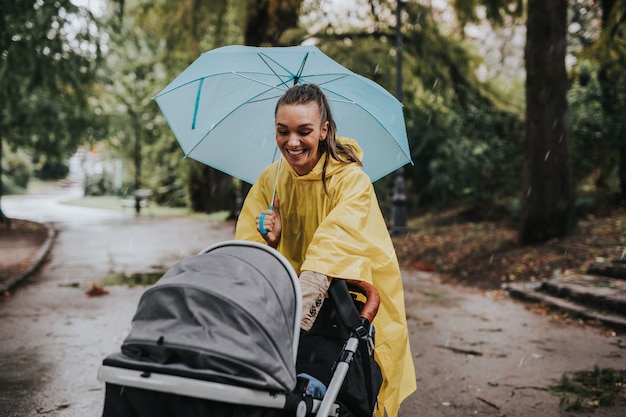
<point x="210" y="190"/>
<point x="267" y="20"/>
<point x="547" y="206"/>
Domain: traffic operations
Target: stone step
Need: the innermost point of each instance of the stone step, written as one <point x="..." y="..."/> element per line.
<point x="599" y="292"/>
<point x="537" y="292"/>
<point x="608" y="269"/>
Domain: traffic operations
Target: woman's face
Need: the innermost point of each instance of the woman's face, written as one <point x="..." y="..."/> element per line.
<point x="299" y="130"/>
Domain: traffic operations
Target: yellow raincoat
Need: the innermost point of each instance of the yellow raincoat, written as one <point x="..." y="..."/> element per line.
<point x="343" y="235"/>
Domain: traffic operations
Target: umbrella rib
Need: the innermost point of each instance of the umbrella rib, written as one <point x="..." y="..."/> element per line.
<point x="296" y="78"/>
<point x="293" y="77"/>
<point x="271" y="86"/>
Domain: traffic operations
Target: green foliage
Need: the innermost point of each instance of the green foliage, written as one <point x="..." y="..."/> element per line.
<point x="590" y="143"/>
<point x="50" y="169"/>
<point x="598" y="103"/>
<point x="478" y="162"/>
<point x="495" y="11"/>
<point x="465" y="140"/>
<point x="45" y="73"/>
<point x="465" y="135"/>
<point x="150" y="44"/>
<point x="19" y="164"/>
<point x="99" y="184"/>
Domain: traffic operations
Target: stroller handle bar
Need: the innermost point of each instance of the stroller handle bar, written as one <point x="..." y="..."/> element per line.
<point x="369" y="310"/>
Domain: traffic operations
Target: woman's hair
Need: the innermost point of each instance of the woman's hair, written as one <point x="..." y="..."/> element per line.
<point x="307" y="93"/>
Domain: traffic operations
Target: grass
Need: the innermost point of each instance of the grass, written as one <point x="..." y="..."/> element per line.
<point x="121" y="279"/>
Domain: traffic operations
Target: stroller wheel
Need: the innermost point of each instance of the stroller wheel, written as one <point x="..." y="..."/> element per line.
<point x="302" y="409"/>
<point x="298" y="406"/>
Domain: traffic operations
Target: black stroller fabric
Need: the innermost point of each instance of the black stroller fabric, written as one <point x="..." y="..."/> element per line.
<point x="193" y="319"/>
<point x="320" y="348"/>
<point x="120" y="401"/>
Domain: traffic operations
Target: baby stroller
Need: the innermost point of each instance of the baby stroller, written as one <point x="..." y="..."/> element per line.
<point x="219" y="335"/>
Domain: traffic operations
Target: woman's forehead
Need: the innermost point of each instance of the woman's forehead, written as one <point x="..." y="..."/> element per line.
<point x="307" y="113"/>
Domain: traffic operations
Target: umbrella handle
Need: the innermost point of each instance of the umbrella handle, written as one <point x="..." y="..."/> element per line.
<point x="261" y="219"/>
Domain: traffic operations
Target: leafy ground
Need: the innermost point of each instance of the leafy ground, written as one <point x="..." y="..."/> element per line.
<point x="484" y="253"/>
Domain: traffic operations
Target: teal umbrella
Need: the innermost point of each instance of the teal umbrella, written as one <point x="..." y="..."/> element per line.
<point x="221" y="108"/>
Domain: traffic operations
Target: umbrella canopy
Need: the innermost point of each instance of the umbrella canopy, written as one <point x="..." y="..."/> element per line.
<point x="221" y="108"/>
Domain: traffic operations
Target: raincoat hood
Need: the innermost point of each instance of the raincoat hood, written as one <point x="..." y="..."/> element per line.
<point x="340" y="231"/>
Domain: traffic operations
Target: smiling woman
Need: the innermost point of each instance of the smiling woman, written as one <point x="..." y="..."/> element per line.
<point x="327" y="223"/>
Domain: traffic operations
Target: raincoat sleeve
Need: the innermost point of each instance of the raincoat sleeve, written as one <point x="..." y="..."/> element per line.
<point x="353" y="242"/>
<point x="257" y="200"/>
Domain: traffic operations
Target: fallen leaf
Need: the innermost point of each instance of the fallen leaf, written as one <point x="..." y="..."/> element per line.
<point x="96" y="291"/>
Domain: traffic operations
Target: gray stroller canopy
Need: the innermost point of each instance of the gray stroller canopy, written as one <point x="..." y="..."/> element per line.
<point x="230" y="314"/>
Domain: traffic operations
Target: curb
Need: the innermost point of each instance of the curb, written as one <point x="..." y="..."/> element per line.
<point x="34" y="263"/>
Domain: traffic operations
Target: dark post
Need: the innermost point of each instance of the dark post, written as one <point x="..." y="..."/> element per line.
<point x="398" y="200"/>
<point x="137" y="166"/>
<point x="3" y="217"/>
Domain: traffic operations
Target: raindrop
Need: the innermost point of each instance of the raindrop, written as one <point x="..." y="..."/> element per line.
<point x="491" y="259"/>
<point x="565" y="253"/>
<point x="623" y="255"/>
<point x="528" y="192"/>
<point x="547" y="156"/>
<point x="435" y="83"/>
<point x="521" y="362"/>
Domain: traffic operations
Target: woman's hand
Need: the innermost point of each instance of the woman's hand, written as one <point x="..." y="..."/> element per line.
<point x="272" y="224"/>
